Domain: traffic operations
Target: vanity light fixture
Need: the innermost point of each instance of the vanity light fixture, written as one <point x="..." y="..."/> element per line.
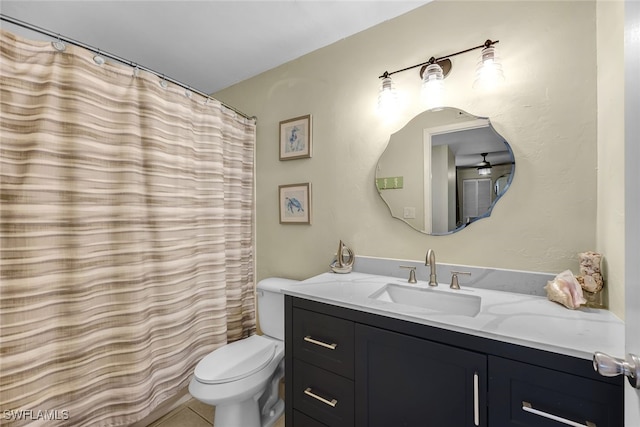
<point x="435" y="70"/>
<point x="387" y="96"/>
<point x="484" y="168"/>
<point x="489" y="69"/>
<point x="433" y="86"/>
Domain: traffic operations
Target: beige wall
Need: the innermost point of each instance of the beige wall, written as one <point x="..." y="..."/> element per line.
<point x="610" y="227"/>
<point x="547" y="110"/>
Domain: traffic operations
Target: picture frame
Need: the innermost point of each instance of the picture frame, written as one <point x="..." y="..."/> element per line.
<point x="295" y="203"/>
<point x="296" y="138"/>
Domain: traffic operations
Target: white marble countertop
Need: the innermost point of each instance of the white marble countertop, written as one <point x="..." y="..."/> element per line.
<point x="516" y="318"/>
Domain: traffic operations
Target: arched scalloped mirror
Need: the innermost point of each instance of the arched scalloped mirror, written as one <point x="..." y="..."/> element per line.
<point x="444" y="170"/>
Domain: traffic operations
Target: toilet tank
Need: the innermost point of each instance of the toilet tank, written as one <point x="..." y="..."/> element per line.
<point x="271" y="305"/>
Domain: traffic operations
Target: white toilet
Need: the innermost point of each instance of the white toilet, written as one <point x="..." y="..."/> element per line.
<point x="241" y="379"/>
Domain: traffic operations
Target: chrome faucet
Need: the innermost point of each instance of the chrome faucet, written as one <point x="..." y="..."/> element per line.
<point x="430" y="260"/>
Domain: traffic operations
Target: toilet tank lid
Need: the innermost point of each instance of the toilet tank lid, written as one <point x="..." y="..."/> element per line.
<point x="275" y="284"/>
<point x="236" y="360"/>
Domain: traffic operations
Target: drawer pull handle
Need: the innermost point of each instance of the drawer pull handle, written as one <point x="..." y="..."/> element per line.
<point x="320" y="343"/>
<point x="332" y="402"/>
<point x="476" y="400"/>
<point x="526" y="406"/>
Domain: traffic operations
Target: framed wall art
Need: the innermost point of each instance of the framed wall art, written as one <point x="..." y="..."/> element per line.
<point x="295" y="203"/>
<point x="295" y="138"/>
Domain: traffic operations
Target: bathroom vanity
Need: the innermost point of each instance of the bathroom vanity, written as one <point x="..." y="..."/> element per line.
<point x="354" y="357"/>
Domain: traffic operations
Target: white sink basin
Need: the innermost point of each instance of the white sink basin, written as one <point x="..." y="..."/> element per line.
<point x="446" y="302"/>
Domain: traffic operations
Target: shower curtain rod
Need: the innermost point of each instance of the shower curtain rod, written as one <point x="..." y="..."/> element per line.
<point x="116" y="58"/>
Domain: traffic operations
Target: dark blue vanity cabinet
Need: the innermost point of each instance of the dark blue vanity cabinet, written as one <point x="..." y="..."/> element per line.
<point x="522" y="394"/>
<point x="406" y="381"/>
<point x="322" y="368"/>
<point x="351" y="368"/>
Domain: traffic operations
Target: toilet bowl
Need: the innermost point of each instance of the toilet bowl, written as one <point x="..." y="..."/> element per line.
<point x="235" y="377"/>
<point x="241" y="379"/>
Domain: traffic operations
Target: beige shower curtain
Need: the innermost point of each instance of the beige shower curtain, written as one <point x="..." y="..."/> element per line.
<point x="126" y="236"/>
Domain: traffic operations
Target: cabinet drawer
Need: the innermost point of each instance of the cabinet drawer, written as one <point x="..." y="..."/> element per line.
<point x="524" y="395"/>
<point x="301" y="420"/>
<point x="325" y="397"/>
<point x="323" y="341"/>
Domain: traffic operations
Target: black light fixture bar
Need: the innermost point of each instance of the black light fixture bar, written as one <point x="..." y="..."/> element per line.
<point x="433" y="60"/>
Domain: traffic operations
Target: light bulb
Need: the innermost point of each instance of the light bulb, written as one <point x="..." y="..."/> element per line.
<point x="387" y="97"/>
<point x="485" y="167"/>
<point x="489" y="69"/>
<point x="484" y="171"/>
<point x="433" y="86"/>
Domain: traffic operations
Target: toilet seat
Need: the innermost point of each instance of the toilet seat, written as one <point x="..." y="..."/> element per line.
<point x="235" y="361"/>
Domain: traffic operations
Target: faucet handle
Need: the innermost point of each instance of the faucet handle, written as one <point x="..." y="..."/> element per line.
<point x="454" y="278"/>
<point x="412" y="273"/>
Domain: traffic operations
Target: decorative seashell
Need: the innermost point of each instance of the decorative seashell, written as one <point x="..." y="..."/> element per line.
<point x="590" y="283"/>
<point x="590" y="263"/>
<point x="566" y="290"/>
<point x="590" y="277"/>
<point x="554" y="293"/>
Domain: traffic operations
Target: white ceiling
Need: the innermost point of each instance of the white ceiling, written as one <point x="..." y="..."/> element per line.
<point x="208" y="45"/>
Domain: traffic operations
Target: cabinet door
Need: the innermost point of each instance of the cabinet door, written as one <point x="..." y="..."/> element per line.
<point x="531" y="396"/>
<point x="406" y="381"/>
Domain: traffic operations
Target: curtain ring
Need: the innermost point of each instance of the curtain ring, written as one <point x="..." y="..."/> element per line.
<point x="98" y="59"/>
<point x="163" y="82"/>
<point x="59" y="45"/>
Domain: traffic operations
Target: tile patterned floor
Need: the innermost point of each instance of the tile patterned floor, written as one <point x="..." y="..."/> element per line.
<point x="193" y="414"/>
